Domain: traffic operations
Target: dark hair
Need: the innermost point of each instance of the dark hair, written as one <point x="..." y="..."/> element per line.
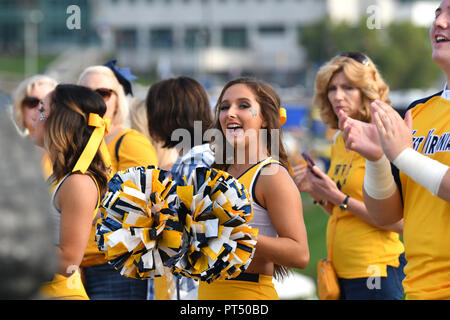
<point x="177" y="103"/>
<point x="67" y="132"/>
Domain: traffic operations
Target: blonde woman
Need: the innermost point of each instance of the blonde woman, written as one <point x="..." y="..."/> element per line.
<point x="127" y="148"/>
<point x="368" y="258"/>
<point x="26" y="99"/>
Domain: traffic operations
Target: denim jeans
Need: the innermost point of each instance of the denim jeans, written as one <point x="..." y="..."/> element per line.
<point x="379" y="288"/>
<point x="103" y="282"/>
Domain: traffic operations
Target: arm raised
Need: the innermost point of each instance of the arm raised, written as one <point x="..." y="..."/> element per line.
<point x="396" y="139"/>
<point x="381" y="195"/>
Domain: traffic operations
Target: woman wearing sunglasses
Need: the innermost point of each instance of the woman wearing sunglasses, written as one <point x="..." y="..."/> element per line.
<point x="26" y="98"/>
<point x="368" y="259"/>
<point x="127" y="148"/>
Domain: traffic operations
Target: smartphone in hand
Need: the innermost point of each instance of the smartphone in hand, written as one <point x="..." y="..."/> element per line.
<point x="309" y="162"/>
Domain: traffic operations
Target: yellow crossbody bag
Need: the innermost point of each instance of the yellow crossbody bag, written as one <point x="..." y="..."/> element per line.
<point x="327" y="281"/>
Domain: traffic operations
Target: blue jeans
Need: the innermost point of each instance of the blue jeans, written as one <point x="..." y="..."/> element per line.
<point x="377" y="288"/>
<point x="103" y="282"/>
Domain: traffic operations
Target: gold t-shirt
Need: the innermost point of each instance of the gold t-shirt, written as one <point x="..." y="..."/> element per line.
<point x="360" y="250"/>
<point x="427" y="217"/>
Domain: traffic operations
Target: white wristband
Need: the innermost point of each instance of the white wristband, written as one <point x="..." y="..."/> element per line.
<point x="423" y="170"/>
<point x="378" y="180"/>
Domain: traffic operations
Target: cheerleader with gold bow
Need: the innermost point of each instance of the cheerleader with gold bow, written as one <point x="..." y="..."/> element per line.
<point x="69" y="125"/>
<point x="246" y="109"/>
<point x="127" y="148"/>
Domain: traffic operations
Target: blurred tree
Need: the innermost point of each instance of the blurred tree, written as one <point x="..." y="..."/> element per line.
<point x="401" y="50"/>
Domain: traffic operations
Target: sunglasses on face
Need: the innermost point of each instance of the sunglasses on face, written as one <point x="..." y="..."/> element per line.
<point x="105" y="93"/>
<point x="357" y="56"/>
<point x="30" y="102"/>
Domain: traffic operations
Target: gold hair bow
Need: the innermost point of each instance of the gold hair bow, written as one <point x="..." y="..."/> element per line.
<point x="283" y="116"/>
<point x="95" y="141"/>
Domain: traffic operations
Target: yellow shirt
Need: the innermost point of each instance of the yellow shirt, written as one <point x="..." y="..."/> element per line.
<point x="47" y="166"/>
<point x="360" y="250"/>
<point x="134" y="150"/>
<point x="64" y="288"/>
<point x="427" y="217"/>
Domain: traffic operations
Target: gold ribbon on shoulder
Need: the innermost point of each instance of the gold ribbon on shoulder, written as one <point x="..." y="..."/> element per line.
<point x="283" y="116"/>
<point x="95" y="142"/>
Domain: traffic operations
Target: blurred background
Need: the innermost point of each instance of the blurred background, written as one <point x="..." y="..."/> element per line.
<point x="283" y="42"/>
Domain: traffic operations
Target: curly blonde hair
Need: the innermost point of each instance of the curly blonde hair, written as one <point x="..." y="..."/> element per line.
<point x="365" y="77"/>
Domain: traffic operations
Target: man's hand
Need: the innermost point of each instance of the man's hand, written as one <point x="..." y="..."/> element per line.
<point x="395" y="134"/>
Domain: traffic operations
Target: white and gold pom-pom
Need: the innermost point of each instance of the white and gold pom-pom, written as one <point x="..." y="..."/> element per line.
<point x="215" y="210"/>
<point x="139" y="232"/>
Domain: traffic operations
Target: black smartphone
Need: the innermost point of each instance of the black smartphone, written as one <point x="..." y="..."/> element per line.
<point x="310" y="163"/>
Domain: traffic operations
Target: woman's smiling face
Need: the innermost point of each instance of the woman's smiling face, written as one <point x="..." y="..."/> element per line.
<point x="240" y="115"/>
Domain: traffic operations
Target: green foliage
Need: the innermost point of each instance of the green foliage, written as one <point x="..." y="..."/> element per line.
<point x="316" y="221"/>
<point x="401" y="50"/>
<point x="15" y="65"/>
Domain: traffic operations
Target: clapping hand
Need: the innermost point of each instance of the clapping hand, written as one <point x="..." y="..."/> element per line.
<point x="395" y="134"/>
<point x="361" y="137"/>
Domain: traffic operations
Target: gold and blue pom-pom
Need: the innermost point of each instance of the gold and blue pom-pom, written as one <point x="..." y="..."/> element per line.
<point x="198" y="228"/>
<point x="139" y="231"/>
<point x="214" y="209"/>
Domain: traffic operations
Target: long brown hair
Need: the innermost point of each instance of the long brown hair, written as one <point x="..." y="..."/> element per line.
<point x="270" y="103"/>
<point x="67" y="132"/>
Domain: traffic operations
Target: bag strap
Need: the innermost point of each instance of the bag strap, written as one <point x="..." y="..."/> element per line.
<point x="118" y="145"/>
<point x="333" y="232"/>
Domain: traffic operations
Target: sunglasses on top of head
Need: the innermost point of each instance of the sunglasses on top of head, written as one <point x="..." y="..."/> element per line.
<point x="105" y="93"/>
<point x="30" y="102"/>
<point x="357" y="56"/>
